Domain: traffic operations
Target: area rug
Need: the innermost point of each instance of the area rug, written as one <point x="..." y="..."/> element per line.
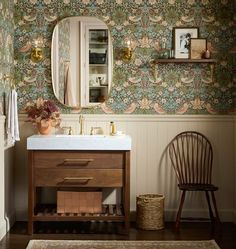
<point x="115" y="244"/>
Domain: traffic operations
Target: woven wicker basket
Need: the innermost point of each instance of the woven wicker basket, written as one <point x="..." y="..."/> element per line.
<point x="150" y="212"/>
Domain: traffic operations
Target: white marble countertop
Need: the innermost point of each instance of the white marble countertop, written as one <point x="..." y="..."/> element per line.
<point x="78" y="142"/>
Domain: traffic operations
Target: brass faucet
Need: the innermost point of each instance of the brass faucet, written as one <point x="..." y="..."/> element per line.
<point x="69" y="128"/>
<point x="96" y="131"/>
<point x="81" y="122"/>
<point x="70" y="131"/>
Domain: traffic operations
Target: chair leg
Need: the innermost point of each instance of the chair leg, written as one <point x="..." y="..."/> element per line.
<point x="177" y="222"/>
<point x="215" y="207"/>
<point x="209" y="206"/>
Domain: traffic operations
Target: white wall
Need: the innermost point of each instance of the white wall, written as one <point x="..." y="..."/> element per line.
<point x="7" y="206"/>
<point x="2" y="180"/>
<point x="9" y="153"/>
<point x="150" y="168"/>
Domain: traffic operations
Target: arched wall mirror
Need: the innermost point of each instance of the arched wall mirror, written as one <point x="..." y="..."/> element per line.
<point x="81" y="61"/>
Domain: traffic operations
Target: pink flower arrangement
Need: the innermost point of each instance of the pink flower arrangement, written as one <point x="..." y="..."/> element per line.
<point x="43" y="111"/>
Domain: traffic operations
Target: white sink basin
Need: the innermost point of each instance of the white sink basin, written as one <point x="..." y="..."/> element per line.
<point x="78" y="142"/>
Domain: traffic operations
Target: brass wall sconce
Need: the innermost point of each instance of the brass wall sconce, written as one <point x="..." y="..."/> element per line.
<point x="37" y="50"/>
<point x="6" y="77"/>
<point x="127" y="52"/>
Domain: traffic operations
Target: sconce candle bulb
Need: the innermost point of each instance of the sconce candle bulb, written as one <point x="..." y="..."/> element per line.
<point x="129" y="44"/>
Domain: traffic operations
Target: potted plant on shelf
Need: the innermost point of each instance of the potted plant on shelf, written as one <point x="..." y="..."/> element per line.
<point x="44" y="114"/>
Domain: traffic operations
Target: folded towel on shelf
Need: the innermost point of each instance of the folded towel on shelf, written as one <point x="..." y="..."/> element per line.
<point x="12" y="119"/>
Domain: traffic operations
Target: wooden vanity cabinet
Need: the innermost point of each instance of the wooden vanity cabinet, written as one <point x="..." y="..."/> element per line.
<point x="78" y="169"/>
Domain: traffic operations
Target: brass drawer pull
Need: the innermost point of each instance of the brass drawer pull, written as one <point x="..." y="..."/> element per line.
<point x="78" y="178"/>
<point x="79" y="162"/>
<point x="75" y="181"/>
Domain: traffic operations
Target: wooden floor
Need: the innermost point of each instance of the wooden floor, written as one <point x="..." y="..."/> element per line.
<point x="18" y="239"/>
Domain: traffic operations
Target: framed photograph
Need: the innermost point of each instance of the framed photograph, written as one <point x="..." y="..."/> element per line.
<point x="182" y="36"/>
<point x="197" y="48"/>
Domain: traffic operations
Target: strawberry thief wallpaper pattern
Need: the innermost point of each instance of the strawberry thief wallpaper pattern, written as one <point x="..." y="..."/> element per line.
<point x="6" y="48"/>
<point x="138" y="87"/>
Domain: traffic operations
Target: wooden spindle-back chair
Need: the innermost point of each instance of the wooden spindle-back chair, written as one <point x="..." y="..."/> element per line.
<point x="191" y="156"/>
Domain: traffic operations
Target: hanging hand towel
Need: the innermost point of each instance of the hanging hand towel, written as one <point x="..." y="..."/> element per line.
<point x="12" y="121"/>
<point x="70" y="99"/>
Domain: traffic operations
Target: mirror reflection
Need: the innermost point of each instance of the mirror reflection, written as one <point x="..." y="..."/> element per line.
<point x="81" y="61"/>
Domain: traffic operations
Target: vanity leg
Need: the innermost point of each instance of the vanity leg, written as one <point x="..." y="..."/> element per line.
<point x="31" y="194"/>
<point x="126" y="192"/>
<point x="127" y="225"/>
<point x="30" y="227"/>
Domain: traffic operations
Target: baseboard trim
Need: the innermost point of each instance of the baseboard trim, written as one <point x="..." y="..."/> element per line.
<point x="10" y="220"/>
<point x="3" y="229"/>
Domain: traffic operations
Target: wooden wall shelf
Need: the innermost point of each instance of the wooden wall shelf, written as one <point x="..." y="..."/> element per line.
<point x="157" y="61"/>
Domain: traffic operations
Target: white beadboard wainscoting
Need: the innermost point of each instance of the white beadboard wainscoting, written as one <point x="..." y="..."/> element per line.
<point x="2" y="180"/>
<point x="7" y="206"/>
<point x="151" y="171"/>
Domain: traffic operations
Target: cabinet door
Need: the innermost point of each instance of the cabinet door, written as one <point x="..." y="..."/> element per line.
<point x="97" y="64"/>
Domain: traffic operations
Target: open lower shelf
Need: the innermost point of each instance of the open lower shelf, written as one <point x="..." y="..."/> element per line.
<point x="184" y="61"/>
<point x="49" y="213"/>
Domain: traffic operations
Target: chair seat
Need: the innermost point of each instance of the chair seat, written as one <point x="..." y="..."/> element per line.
<point x="197" y="187"/>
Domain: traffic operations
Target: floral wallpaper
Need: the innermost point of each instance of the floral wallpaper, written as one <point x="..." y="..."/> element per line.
<point x="64" y="54"/>
<point x="139" y="87"/>
<point x="6" y="49"/>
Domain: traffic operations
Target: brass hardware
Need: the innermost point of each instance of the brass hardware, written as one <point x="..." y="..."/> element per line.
<point x="77" y="161"/>
<point x="127" y="51"/>
<point x="70" y="130"/>
<point x="37" y="49"/>
<point x="127" y="54"/>
<point x="81" y="121"/>
<point x="36" y="54"/>
<point x="78" y="178"/>
<point x="96" y="131"/>
<point x="6" y="77"/>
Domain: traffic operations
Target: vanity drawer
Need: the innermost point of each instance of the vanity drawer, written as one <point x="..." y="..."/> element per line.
<point x="78" y="177"/>
<point x="75" y="159"/>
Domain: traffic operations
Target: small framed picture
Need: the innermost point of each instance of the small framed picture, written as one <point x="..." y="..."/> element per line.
<point x="197" y="48"/>
<point x="182" y="36"/>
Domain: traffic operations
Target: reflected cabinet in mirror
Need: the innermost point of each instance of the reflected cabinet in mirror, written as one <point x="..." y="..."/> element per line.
<point x="81" y="61"/>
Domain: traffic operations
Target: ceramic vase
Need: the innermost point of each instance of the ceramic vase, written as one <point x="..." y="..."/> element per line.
<point x="44" y="127"/>
<point x="207" y="54"/>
